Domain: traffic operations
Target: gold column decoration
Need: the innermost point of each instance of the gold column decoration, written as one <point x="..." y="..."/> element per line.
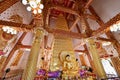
<point x="116" y="63"/>
<point x="17" y="58"/>
<point x="31" y="66"/>
<point x="96" y="59"/>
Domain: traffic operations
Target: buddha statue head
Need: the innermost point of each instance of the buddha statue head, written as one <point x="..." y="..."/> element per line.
<point x="68" y="58"/>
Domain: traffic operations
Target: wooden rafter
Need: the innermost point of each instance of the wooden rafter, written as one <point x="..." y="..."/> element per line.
<point x="80" y="51"/>
<point x="6" y="4"/>
<point x="24" y="46"/>
<point x="73" y="6"/>
<point x="104" y="39"/>
<point x="106" y="28"/>
<point x="65" y="33"/>
<point x="88" y="4"/>
<point x="74" y="24"/>
<point x="78" y="28"/>
<point x="79" y="44"/>
<point x="107" y="25"/>
<point x="23" y="27"/>
<point x="47" y="48"/>
<point x="98" y="19"/>
<point x="90" y="16"/>
<point x="64" y="9"/>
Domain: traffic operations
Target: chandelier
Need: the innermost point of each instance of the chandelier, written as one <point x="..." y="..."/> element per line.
<point x="33" y="5"/>
<point x="9" y="30"/>
<point x="115" y="27"/>
<point x="106" y="43"/>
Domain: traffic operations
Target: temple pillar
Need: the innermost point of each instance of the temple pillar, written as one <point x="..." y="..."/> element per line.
<point x="96" y="59"/>
<point x="31" y="66"/>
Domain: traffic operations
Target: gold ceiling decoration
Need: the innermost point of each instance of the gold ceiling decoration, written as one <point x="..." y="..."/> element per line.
<point x="16" y="18"/>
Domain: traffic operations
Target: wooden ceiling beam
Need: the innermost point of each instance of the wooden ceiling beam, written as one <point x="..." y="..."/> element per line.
<point x="65" y="33"/>
<point x="19" y="26"/>
<point x="6" y="4"/>
<point x="98" y="19"/>
<point x="25" y="28"/>
<point x="106" y="27"/>
<point x="48" y="48"/>
<point x="84" y="51"/>
<point x="90" y="16"/>
<point x="73" y="6"/>
<point x="88" y="4"/>
<point x="78" y="28"/>
<point x="79" y="44"/>
<point x="64" y="9"/>
<point x="74" y="24"/>
<point x="24" y="46"/>
<point x="104" y="39"/>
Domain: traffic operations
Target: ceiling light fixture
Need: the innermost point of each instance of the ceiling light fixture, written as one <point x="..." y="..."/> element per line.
<point x="33" y="5"/>
<point x="106" y="43"/>
<point x="115" y="27"/>
<point x="9" y="30"/>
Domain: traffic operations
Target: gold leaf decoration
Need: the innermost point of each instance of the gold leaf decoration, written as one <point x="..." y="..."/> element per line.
<point x="16" y="18"/>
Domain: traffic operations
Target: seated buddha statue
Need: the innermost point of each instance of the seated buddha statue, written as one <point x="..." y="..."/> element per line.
<point x="67" y="63"/>
<point x="69" y="66"/>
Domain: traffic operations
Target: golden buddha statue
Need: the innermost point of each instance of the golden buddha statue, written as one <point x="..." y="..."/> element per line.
<point x="69" y="66"/>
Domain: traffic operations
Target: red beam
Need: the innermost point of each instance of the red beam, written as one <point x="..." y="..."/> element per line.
<point x="64" y="33"/>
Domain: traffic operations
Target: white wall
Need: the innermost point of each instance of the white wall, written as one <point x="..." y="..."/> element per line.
<point x="106" y="9"/>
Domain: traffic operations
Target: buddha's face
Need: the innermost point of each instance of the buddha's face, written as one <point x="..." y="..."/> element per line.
<point x="68" y="58"/>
